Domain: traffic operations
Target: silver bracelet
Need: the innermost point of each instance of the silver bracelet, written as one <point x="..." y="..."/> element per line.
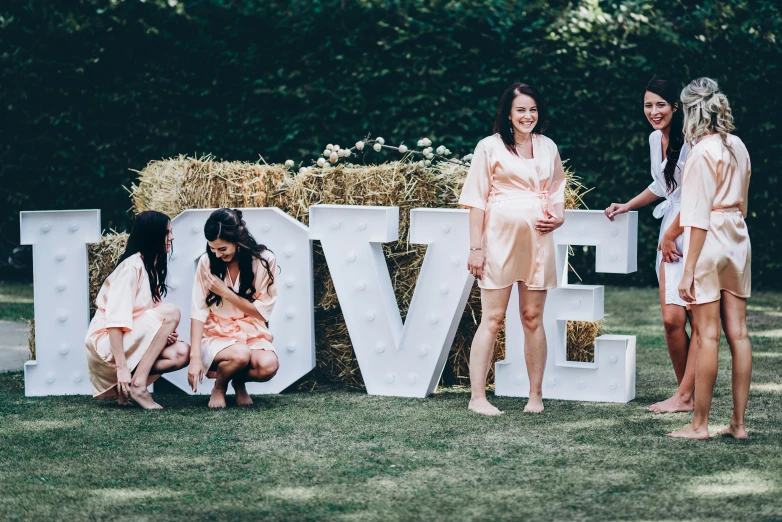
<point x="475" y="249"/>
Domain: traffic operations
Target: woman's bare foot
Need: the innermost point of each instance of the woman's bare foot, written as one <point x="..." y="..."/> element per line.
<point x="242" y="397"/>
<point x="217" y="399"/>
<point x="534" y="404"/>
<point x="140" y="394"/>
<point x="676" y="403"/>
<point x="123" y="401"/>
<point x="484" y="407"/>
<point x="736" y="431"/>
<point x="689" y="432"/>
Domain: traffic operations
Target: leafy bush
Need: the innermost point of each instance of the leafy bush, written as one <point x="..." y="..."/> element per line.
<point x="90" y="89"/>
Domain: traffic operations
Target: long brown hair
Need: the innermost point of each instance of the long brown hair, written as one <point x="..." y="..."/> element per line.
<point x="666" y="90"/>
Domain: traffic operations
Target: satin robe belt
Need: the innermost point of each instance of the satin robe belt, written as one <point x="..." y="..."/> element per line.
<point x="229" y="327"/>
<point x="542" y="196"/>
<point x="666" y="206"/>
<point x="728" y="210"/>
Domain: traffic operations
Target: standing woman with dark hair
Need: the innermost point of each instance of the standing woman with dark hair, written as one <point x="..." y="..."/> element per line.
<point x="668" y="153"/>
<point x="515" y="191"/>
<point x="132" y="340"/>
<point x="233" y="298"/>
<point x="717" y="253"/>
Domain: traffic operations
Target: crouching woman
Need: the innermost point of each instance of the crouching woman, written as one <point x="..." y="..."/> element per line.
<point x="132" y="338"/>
<point x="233" y="297"/>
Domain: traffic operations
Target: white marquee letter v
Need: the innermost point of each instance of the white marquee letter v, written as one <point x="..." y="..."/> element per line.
<point x="395" y="360"/>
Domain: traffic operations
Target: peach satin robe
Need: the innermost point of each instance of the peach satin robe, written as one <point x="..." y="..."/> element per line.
<point x="714" y="198"/>
<point x="225" y="325"/>
<point x="514" y="192"/>
<point x="124" y="301"/>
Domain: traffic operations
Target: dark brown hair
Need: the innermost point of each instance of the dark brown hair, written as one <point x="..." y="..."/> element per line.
<point x="227" y="224"/>
<point x="148" y="237"/>
<point x="502" y="124"/>
<point x="666" y="90"/>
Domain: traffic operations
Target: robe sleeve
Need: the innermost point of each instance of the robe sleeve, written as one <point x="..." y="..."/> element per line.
<point x="123" y="286"/>
<point x="558" y="183"/>
<point x="198" y="309"/>
<point x="744" y="206"/>
<point x="699" y="189"/>
<point x="477" y="185"/>
<point x="265" y="290"/>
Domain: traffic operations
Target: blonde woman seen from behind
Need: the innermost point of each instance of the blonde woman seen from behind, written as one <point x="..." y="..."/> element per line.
<point x="717" y="277"/>
<point x="515" y="191"/>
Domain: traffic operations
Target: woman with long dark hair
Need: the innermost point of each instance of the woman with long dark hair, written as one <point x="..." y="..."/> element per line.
<point x="668" y="153"/>
<point x="515" y="191"/>
<point x="717" y="254"/>
<point x="233" y="298"/>
<point x="132" y="338"/>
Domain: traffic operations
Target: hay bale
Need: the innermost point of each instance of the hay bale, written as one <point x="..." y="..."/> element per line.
<point x="177" y="184"/>
<point x="102" y="258"/>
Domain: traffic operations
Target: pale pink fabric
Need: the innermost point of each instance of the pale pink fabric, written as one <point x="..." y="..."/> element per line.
<point x="714" y="198"/>
<point x="514" y="192"/>
<point x="225" y="325"/>
<point x="124" y="301"/>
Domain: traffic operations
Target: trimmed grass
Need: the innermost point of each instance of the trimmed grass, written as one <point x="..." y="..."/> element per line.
<point x="16" y="301"/>
<point x="338" y="455"/>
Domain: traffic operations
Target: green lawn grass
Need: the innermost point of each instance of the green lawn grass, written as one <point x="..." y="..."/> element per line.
<point x="339" y="455"/>
<point x="16" y="301"/>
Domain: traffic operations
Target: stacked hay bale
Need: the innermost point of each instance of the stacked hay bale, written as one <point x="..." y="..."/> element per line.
<point x="174" y="185"/>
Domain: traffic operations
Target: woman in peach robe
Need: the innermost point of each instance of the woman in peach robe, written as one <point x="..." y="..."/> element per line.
<point x="233" y="298"/>
<point x="132" y="340"/>
<point x="717" y="256"/>
<point x="515" y="191"/>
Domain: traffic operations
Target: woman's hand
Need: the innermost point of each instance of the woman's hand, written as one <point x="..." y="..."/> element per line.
<point x="548" y="224"/>
<point x="217" y="285"/>
<point x="123" y="381"/>
<point x="195" y="374"/>
<point x="172" y="338"/>
<point x="615" y="209"/>
<point x="668" y="248"/>
<point x="475" y="262"/>
<point x="687" y="287"/>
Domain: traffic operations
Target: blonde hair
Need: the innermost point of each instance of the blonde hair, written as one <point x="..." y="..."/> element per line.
<point x="706" y="111"/>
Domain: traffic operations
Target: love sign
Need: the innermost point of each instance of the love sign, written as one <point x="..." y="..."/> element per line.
<point x="396" y="359"/>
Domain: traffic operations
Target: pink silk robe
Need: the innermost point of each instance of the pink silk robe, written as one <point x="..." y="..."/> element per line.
<point x="124" y="301"/>
<point x="225" y="325"/>
<point x="514" y="192"/>
<point x="714" y="198"/>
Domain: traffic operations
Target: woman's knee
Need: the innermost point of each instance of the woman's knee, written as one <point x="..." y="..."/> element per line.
<point x="674" y="322"/>
<point x="241" y="355"/>
<point x="493" y="322"/>
<point x="170" y="313"/>
<point x="182" y="354"/>
<point x="531" y="318"/>
<point x="264" y="364"/>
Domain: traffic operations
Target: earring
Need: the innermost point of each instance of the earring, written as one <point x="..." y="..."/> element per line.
<point x="510" y="124"/>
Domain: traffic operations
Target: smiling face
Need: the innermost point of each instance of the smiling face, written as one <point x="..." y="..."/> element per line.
<point x="169" y="237"/>
<point x="658" y="111"/>
<point x="222" y="249"/>
<point x="523" y="114"/>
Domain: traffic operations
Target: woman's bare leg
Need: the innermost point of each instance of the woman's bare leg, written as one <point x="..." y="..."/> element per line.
<point x="173" y="357"/>
<point x="531" y="303"/>
<point x="494" y="304"/>
<point x="679" y="346"/>
<point x="734" y="323"/>
<point x="227" y="363"/>
<point x="263" y="366"/>
<point x="707" y="322"/>
<point x="139" y="382"/>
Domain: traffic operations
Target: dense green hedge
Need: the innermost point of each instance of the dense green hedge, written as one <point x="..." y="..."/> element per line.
<point x="93" y="88"/>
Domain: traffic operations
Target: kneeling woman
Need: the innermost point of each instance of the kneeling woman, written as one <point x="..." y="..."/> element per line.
<point x="515" y="191"/>
<point x="132" y="339"/>
<point x="233" y="297"/>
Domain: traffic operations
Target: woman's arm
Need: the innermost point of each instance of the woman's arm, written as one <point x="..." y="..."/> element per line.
<point x="195" y="372"/>
<point x="118" y="351"/>
<point x="667" y="246"/>
<point x="687" y="285"/>
<point x="641" y="200"/>
<point x="476" y="259"/>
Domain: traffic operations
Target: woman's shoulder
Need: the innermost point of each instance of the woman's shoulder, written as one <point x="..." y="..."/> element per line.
<point x="489" y="142"/>
<point x="134" y="262"/>
<point x="546" y="141"/>
<point x="655" y="137"/>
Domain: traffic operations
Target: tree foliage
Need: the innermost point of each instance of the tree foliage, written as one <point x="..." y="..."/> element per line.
<point x="90" y="89"/>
